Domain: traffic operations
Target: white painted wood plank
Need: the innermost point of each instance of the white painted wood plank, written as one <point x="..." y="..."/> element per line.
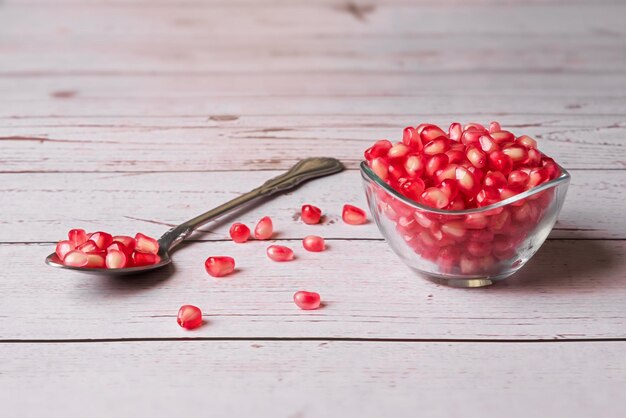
<point x="42" y="207"/>
<point x="228" y="145"/>
<point x="308" y="379"/>
<point x="367" y="291"/>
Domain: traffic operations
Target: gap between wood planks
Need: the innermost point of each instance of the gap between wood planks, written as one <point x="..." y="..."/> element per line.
<point x="328" y="339"/>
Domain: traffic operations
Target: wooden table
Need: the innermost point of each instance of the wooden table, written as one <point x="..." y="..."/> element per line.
<point x="136" y="115"/>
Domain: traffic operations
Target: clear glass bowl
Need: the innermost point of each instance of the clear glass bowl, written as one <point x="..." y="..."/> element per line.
<point x="466" y="248"/>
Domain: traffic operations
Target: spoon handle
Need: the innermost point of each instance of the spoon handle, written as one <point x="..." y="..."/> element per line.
<point x="306" y="169"/>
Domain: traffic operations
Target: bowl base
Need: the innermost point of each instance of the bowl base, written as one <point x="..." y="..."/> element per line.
<point x="465" y="282"/>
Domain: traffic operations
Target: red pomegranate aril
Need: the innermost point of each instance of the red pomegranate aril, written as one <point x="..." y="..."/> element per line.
<point x="398" y="151"/>
<point x="145" y="244"/>
<point x="413" y="165"/>
<point x="279" y="253"/>
<point x="430" y="133"/>
<point x="310" y="214"/>
<point x="499" y="222"/>
<point x="501" y="162"/>
<point x="129" y="242"/>
<point x="63" y="248"/>
<point x="526" y="141"/>
<point x="455" y="229"/>
<point x="95" y="261"/>
<point x="458" y="203"/>
<point x="435" y="163"/>
<point x="77" y="237"/>
<point x="412" y="188"/>
<point x="446" y="173"/>
<point x="537" y="177"/>
<point x="468" y="184"/>
<point x="476" y="221"/>
<point x="502" y="137"/>
<point x="102" y="239"/>
<point x="264" y="229"/>
<point x="118" y="246"/>
<point x="435" y="198"/>
<point x="518" y="178"/>
<point x="380" y="167"/>
<point x="455" y="156"/>
<point x="313" y="243"/>
<point x="450" y="188"/>
<point x="488" y="144"/>
<point x="534" y="158"/>
<point x="518" y="154"/>
<point x="307" y="300"/>
<point x="353" y="215"/>
<point x="436" y="146"/>
<point x="88" y="247"/>
<point x="189" y="317"/>
<point x="379" y="149"/>
<point x="469" y="265"/>
<point x="219" y="266"/>
<point x="76" y="258"/>
<point x="412" y="139"/>
<point x="455" y="131"/>
<point x="145" y="259"/>
<point x="487" y="196"/>
<point x="423" y="219"/>
<point x="510" y="191"/>
<point x="116" y="259"/>
<point x="472" y="136"/>
<point x="477" y="157"/>
<point x="239" y="232"/>
<point x="478" y="249"/>
<point x="480" y="235"/>
<point x="495" y="179"/>
<point x="494" y="127"/>
<point x="474" y="126"/>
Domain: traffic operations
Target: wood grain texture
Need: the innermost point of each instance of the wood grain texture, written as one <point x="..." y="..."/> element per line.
<point x="153" y="202"/>
<point x="309" y="379"/>
<point x="554" y="297"/>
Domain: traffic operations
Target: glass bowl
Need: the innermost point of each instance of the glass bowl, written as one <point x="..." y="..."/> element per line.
<point x="466" y="248"/>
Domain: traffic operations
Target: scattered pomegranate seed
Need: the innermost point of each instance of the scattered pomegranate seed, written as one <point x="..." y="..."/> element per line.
<point x="76" y="258"/>
<point x="279" y="253"/>
<point x="95" y="261"/>
<point x="353" y="215"/>
<point x="129" y="242"/>
<point x="219" y="266"/>
<point x="239" y="233"/>
<point x="307" y="300"/>
<point x="264" y="229"/>
<point x="144" y="259"/>
<point x="145" y="244"/>
<point x="88" y="247"/>
<point x="64" y="247"/>
<point x="77" y="237"/>
<point x="313" y="243"/>
<point x="189" y="317"/>
<point x="102" y="239"/>
<point x="311" y="215"/>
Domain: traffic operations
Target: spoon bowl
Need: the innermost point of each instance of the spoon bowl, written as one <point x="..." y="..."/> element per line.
<point x="306" y="169"/>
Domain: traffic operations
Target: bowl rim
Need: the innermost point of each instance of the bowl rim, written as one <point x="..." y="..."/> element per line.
<point x="368" y="174"/>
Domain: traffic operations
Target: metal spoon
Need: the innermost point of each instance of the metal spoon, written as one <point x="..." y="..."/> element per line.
<point x="304" y="170"/>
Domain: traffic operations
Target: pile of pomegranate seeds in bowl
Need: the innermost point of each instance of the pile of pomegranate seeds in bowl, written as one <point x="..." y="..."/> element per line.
<point x="101" y="250"/>
<point x="470" y="204"/>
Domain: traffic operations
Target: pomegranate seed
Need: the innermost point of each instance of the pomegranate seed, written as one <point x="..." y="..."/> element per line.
<point x="353" y="215"/>
<point x="77" y="237"/>
<point x="487" y="196"/>
<point x="411" y="138"/>
<point x="455" y="229"/>
<point x="76" y="258"/>
<point x="469" y="265"/>
<point x="118" y="246"/>
<point x="435" y="163"/>
<point x="478" y="249"/>
<point x="189" y="317"/>
<point x="488" y="144"/>
<point x="476" y="221"/>
<point x="145" y="244"/>
<point x="398" y="151"/>
<point x="279" y="253"/>
<point x="458" y="203"/>
<point x="472" y="136"/>
<point x="239" y="232"/>
<point x="95" y="261"/>
<point x="446" y="173"/>
<point x="412" y="188"/>
<point x="450" y="188"/>
<point x="495" y="179"/>
<point x="88" y="247"/>
<point x="264" y="229"/>
<point x="313" y="243"/>
<point x="534" y="157"/>
<point x="219" y="266"/>
<point x="63" y="248"/>
<point x="468" y="184"/>
<point x="435" y="198"/>
<point x="455" y="131"/>
<point x="518" y="154"/>
<point x="437" y="146"/>
<point x="494" y="127"/>
<point x="501" y="162"/>
<point x="413" y="165"/>
<point x="430" y="133"/>
<point x="102" y="239"/>
<point x="537" y="177"/>
<point x="526" y="141"/>
<point x="116" y="259"/>
<point x="380" y="167"/>
<point x="476" y="157"/>
<point x="474" y="126"/>
<point x="502" y="137"/>
<point x="306" y="300"/>
<point x="518" y="178"/>
<point x="379" y="149"/>
<point x="145" y="259"/>
<point x="455" y="156"/>
<point x="129" y="242"/>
